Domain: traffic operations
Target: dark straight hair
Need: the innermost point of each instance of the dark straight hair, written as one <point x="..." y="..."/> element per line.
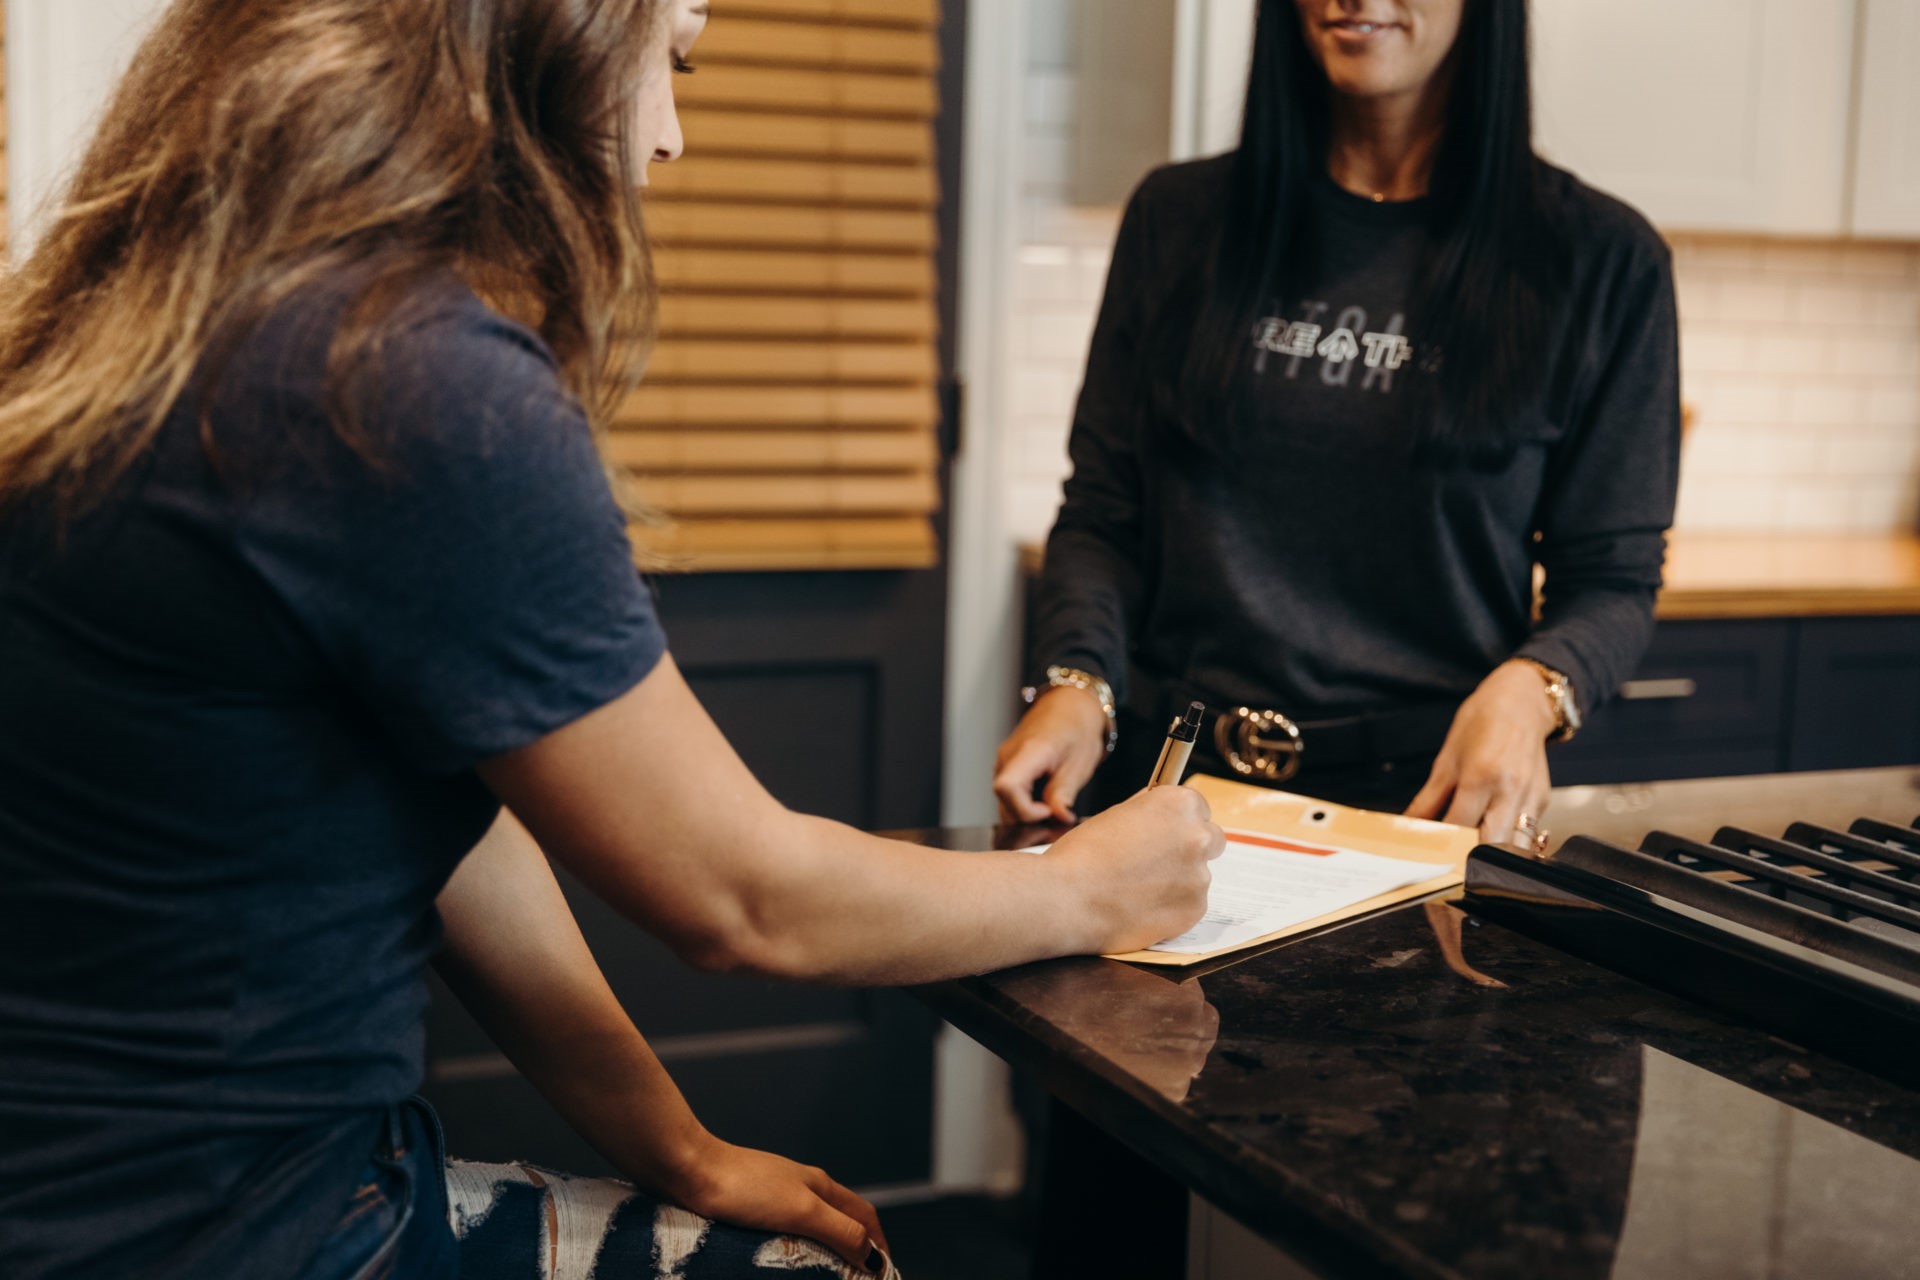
<point x="1497" y="256"/>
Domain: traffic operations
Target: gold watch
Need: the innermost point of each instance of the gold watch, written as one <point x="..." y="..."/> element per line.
<point x="1566" y="708"/>
<point x="1074" y="677"/>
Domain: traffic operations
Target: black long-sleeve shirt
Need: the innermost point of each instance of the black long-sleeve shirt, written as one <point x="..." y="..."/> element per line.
<point x="1321" y="568"/>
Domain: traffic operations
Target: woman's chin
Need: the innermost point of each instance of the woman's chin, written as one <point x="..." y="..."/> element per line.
<point x="1367" y="78"/>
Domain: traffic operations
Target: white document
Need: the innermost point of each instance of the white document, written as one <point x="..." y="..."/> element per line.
<point x="1262" y="884"/>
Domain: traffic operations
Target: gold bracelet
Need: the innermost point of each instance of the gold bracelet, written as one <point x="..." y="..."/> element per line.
<point x="1566" y="711"/>
<point x="1073" y="677"/>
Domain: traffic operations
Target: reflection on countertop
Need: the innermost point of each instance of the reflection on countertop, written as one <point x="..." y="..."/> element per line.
<point x="1729" y="1182"/>
<point x="1159" y="1032"/>
<point x="1425" y="1094"/>
<point x="1496" y="1130"/>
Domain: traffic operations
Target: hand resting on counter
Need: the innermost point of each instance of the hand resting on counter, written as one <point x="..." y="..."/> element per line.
<point x="1493" y="766"/>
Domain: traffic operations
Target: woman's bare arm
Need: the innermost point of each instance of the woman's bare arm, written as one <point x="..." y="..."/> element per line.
<point x="515" y="957"/>
<point x="647" y="803"/>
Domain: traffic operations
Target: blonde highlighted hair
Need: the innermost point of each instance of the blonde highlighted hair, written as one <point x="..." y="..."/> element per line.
<point x="258" y="146"/>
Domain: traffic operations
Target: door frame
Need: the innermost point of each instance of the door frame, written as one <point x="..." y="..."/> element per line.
<point x="976" y="1140"/>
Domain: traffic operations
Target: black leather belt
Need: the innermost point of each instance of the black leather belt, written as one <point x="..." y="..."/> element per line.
<point x="1266" y="745"/>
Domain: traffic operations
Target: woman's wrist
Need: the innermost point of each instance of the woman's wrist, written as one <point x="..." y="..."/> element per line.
<point x="1093" y="686"/>
<point x="1080" y="704"/>
<point x="1529" y="691"/>
<point x="673" y="1161"/>
<point x="1087" y="919"/>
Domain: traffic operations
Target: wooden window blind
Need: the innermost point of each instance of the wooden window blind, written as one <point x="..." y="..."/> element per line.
<point x="789" y="413"/>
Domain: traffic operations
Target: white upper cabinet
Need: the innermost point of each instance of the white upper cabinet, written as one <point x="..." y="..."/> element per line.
<point x="1770" y="117"/>
<point x="1886" y="169"/>
<point x="1721" y="115"/>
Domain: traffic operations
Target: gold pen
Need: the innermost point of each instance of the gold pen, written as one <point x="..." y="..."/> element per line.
<point x="1181" y="735"/>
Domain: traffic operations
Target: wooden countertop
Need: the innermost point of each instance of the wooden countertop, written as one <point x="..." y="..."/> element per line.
<point x="1740" y="575"/>
<point x="1784" y="575"/>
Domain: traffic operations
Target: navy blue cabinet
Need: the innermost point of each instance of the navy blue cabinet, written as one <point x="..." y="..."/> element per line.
<point x="1856" y="697"/>
<point x="1720" y="697"/>
<point x="1709" y="700"/>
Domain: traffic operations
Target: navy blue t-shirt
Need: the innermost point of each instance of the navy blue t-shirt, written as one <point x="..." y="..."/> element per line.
<point x="240" y="706"/>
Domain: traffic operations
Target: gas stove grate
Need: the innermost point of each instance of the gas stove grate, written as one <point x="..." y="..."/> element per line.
<point x="1813" y="934"/>
<point x="1862" y="876"/>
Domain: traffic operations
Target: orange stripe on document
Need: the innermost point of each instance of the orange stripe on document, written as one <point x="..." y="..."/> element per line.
<point x="1268" y="842"/>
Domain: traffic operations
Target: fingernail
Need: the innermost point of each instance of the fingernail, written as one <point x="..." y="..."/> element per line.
<point x="876" y="1263"/>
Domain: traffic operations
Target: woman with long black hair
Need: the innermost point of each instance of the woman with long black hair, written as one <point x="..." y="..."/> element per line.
<point x="1349" y="385"/>
<point x="308" y="566"/>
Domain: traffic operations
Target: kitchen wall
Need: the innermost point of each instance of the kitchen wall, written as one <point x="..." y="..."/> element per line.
<point x="1803" y="362"/>
<point x="62" y="60"/>
<point x="1802" y="359"/>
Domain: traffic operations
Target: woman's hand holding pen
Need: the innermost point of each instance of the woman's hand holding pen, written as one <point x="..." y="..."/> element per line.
<point x="1142" y="868"/>
<point x="1062" y="738"/>
<point x="1492" y="768"/>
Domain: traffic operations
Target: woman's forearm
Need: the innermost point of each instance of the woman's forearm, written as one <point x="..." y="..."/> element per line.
<point x="851" y="908"/>
<point x="1596" y="635"/>
<point x="650" y="806"/>
<point x="515" y="958"/>
<point x="856" y="909"/>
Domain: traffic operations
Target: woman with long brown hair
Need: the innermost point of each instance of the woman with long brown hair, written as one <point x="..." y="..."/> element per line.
<point x="309" y="566"/>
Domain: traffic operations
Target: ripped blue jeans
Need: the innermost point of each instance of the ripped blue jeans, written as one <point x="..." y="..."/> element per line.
<point x="415" y="1215"/>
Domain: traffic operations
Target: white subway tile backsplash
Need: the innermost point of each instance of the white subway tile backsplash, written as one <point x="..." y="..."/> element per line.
<point x="1865" y="453"/>
<point x="1717" y="450"/>
<point x="1798" y="452"/>
<point x="1043" y="456"/>
<point x="1896" y="309"/>
<point x="1899" y="455"/>
<point x="1045" y="255"/>
<point x="1894" y="405"/>
<point x="1049" y="162"/>
<point x="1044" y="393"/>
<point x="1049" y="222"/>
<point x="1813" y="503"/>
<point x="1723" y="258"/>
<point x="1058" y="335"/>
<point x="1885" y="502"/>
<point x="1826" y="402"/>
<point x="1868" y="353"/>
<point x="1045" y="275"/>
<point x="1732" y="503"/>
<point x="1092" y="263"/>
<point x="1756" y="298"/>
<point x="1795" y="258"/>
<point x="1823" y="302"/>
<point x="1739" y="398"/>
<point x="1697" y="300"/>
<point x="1031" y="506"/>
<point x="1878" y="504"/>
<point x="1713" y="349"/>
<point x="1887" y="262"/>
<point x="1795" y="350"/>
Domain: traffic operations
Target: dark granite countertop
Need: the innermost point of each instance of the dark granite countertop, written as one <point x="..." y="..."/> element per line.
<point x="1424" y="1094"/>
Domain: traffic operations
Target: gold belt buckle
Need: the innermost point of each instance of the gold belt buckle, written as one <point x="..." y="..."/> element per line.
<point x="1243" y="738"/>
